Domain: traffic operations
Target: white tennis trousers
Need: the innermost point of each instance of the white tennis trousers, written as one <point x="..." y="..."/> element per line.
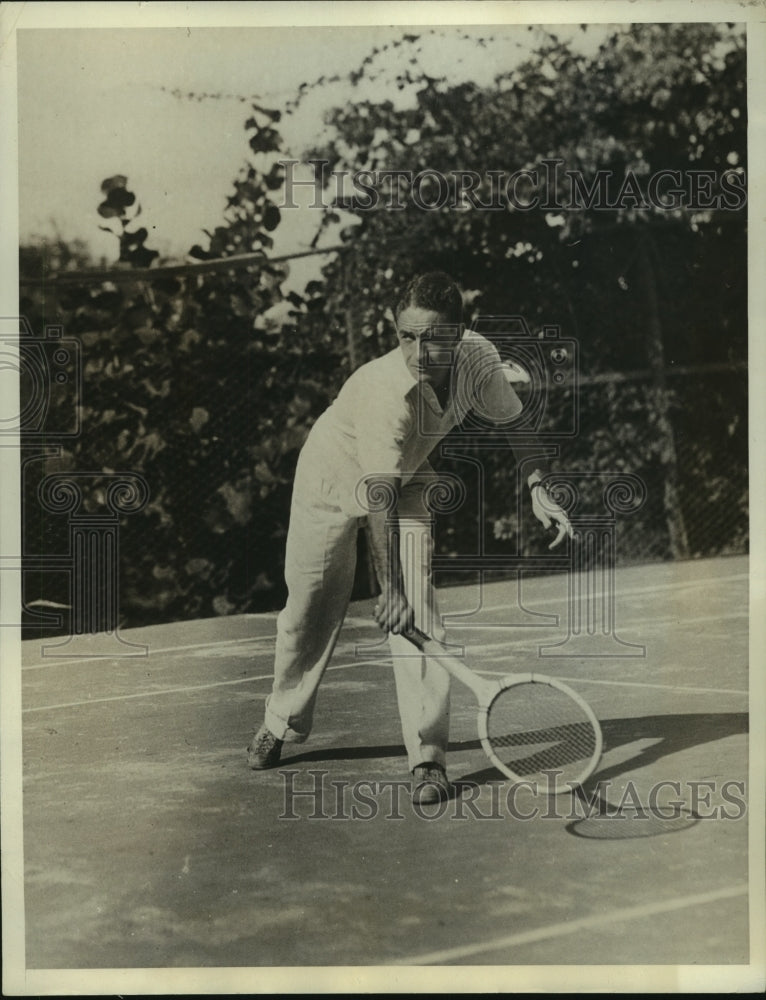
<point x="320" y="564"/>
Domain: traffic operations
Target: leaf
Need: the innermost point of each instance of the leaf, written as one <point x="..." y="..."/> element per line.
<point x="169" y="286"/>
<point x="198" y="418"/>
<point x="271" y="113"/>
<point x="222" y="605"/>
<point x="264" y="474"/>
<point x="118" y="181"/>
<point x="137" y="315"/>
<point x="240" y="304"/>
<point x="134" y="239"/>
<point x="238" y="502"/>
<point x="199" y="567"/>
<point x="274" y="178"/>
<point x="107" y="211"/>
<point x="141" y="257"/>
<point x="265" y="140"/>
<point x="120" y="198"/>
<point x="271" y="217"/>
<point x="147" y="335"/>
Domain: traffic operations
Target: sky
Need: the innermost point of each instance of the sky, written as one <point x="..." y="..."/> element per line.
<point x="100" y="101"/>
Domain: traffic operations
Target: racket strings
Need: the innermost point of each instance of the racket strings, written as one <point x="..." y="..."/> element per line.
<point x="574" y="742"/>
<point x="535" y="729"/>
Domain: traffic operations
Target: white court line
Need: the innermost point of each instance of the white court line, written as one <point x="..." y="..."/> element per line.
<point x="64" y="661"/>
<point x="174" y="690"/>
<point x="359" y="664"/>
<point x="627" y="625"/>
<point x="637" y="684"/>
<point x="575" y="926"/>
<point x="634" y="592"/>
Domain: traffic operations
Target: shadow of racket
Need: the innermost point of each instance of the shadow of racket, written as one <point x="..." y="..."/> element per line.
<point x="603" y="820"/>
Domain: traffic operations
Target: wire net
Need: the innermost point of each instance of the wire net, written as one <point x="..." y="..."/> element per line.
<point x="212" y="413"/>
<point x="690" y="451"/>
<point x="686" y="445"/>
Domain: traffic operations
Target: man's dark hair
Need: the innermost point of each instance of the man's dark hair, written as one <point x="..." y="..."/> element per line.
<point x="436" y="291"/>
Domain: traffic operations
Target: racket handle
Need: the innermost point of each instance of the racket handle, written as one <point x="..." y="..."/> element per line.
<point x="434" y="650"/>
<point x="417" y="638"/>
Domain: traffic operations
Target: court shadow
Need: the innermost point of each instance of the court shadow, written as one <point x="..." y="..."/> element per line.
<point x="364" y="752"/>
<point x="322" y="754"/>
<point x="670" y="734"/>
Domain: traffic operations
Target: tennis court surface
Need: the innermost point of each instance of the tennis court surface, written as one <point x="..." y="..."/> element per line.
<point x="150" y="843"/>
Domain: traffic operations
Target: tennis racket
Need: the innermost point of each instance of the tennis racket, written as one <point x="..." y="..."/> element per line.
<point x="532" y="727"/>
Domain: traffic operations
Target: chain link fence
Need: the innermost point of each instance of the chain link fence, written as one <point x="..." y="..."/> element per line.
<point x="214" y="422"/>
<point x="692" y="467"/>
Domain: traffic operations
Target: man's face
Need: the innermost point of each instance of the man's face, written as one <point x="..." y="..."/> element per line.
<point x="427" y="339"/>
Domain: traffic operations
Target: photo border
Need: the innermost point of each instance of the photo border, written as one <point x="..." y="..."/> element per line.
<point x="17" y="980"/>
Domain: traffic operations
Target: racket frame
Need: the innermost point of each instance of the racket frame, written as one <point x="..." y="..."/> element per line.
<point x="514" y="680"/>
<point x="486" y="692"/>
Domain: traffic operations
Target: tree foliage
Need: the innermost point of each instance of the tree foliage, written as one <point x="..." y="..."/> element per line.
<point x="207" y="383"/>
<point x="654" y="98"/>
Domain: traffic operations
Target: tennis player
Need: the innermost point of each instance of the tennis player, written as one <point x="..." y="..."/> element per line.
<point x="373" y="442"/>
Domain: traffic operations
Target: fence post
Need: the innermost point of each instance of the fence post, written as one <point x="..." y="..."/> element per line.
<point x="679" y="544"/>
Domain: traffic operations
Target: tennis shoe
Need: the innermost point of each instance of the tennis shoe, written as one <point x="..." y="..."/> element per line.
<point x="429" y="784"/>
<point x="264" y="750"/>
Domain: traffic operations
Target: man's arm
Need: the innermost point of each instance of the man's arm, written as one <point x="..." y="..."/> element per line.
<point x="393" y="611"/>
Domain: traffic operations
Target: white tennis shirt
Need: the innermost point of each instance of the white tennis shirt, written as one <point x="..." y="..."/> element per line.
<point x="385" y="422"/>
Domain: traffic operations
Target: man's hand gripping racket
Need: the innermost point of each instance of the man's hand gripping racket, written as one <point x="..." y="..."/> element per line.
<point x="532" y="727"/>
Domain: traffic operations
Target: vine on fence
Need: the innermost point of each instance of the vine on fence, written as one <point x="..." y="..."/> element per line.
<point x="207" y="386"/>
<point x="207" y="382"/>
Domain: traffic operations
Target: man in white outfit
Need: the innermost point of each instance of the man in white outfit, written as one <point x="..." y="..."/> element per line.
<point x="366" y="456"/>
